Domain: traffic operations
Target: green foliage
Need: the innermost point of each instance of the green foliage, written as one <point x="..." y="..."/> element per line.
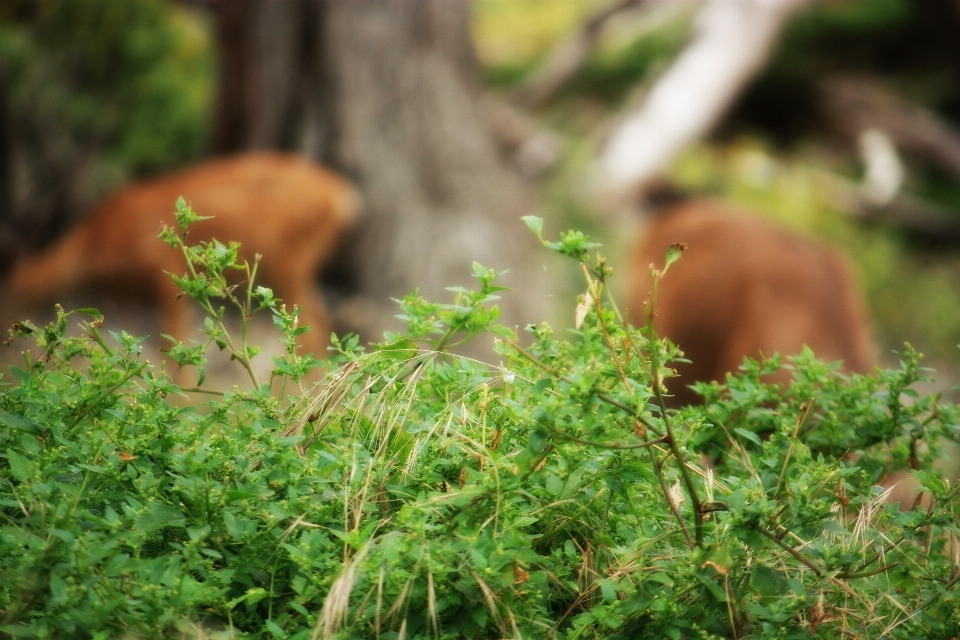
<point x="134" y="77"/>
<point x="910" y="45"/>
<point x="913" y="293"/>
<point x="417" y="494"/>
<point x="514" y="38"/>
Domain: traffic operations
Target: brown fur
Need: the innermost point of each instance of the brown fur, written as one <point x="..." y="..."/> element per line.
<point x="745" y="287"/>
<point x="286" y="208"/>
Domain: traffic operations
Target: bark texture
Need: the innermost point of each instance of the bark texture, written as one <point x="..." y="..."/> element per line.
<point x="387" y="92"/>
<point x="7" y="229"/>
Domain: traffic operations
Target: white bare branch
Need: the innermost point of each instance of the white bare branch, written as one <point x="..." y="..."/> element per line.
<point x="733" y="41"/>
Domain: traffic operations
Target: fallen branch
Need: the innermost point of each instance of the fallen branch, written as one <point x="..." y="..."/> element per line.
<point x="568" y="56"/>
<point x="529" y="146"/>
<point x="853" y="105"/>
<point x="734" y="39"/>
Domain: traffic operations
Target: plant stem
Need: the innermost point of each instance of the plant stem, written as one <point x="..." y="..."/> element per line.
<point x="801" y="418"/>
<point x="611" y="401"/>
<point x="796" y="554"/>
<point x="926" y="603"/>
<point x="666" y="495"/>
<point x="595" y="294"/>
<point x="605" y="445"/>
<point x="671" y="439"/>
<point x="865" y="574"/>
<point x="104" y="395"/>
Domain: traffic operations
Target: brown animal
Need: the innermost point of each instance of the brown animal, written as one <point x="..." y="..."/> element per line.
<point x="286" y="208"/>
<point x="745" y="287"/>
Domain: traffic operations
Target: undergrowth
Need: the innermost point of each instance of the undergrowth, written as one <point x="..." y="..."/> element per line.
<point x="414" y="493"/>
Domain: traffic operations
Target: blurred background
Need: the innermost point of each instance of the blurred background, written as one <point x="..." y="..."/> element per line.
<point x="837" y="118"/>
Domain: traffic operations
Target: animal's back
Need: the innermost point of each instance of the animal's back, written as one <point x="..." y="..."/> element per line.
<point x="269" y="202"/>
<point x="745" y="287"/>
<point x="284" y="207"/>
<point x="267" y="199"/>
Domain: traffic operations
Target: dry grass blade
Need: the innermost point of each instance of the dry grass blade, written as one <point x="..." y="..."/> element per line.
<point x="490" y="598"/>
<point x="380" y="579"/>
<point x="432" y="603"/>
<point x="337" y="603"/>
<point x="317" y="407"/>
<point x="400" y="409"/>
<point x="401" y="599"/>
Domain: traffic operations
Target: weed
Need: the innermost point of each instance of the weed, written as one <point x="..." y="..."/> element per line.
<point x="414" y="493"/>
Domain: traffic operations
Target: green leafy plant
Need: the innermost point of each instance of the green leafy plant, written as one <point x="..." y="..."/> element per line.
<point x="414" y="493"/>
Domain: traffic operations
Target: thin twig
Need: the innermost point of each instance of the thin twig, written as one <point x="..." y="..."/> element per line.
<point x="611" y="401"/>
<point x="796" y="554"/>
<point x="671" y="439"/>
<point x="604" y="445"/>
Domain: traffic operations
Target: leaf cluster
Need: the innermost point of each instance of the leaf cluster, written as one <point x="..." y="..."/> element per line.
<point x="414" y="493"/>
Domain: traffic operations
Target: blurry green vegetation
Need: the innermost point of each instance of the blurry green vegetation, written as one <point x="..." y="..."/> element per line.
<point x="913" y="294"/>
<point x="515" y="33"/>
<point x="133" y="78"/>
<point x="513" y="36"/>
<point x="416" y="494"/>
<point x="136" y="79"/>
<point x="772" y="155"/>
<point x="897" y="40"/>
<point x="614" y="70"/>
<point x="908" y="45"/>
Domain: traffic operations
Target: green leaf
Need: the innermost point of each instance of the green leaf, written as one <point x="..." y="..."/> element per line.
<point x="116" y="565"/>
<point x="400" y="350"/>
<point x="19" y="466"/>
<point x="252" y="596"/>
<point x="235" y="526"/>
<point x="22" y="423"/>
<point x="89" y="311"/>
<point x="708" y="580"/>
<point x="524" y="521"/>
<point x="608" y="589"/>
<point x="934" y="483"/>
<point x="535" y="224"/>
<point x="767" y="582"/>
<point x="92" y="468"/>
<point x="538" y="440"/>
<point x="749" y="435"/>
<point x="737" y="500"/>
<point x="554" y="484"/>
<point x="158" y="516"/>
<point x="662" y="578"/>
<point x="275" y="629"/>
<point x="58" y="590"/>
<point x="480" y="616"/>
<point x="836" y="528"/>
<point x="63" y="534"/>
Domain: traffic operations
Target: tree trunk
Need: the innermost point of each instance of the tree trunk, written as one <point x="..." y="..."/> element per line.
<point x="268" y="72"/>
<point x="388" y="92"/>
<point x="7" y="226"/>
